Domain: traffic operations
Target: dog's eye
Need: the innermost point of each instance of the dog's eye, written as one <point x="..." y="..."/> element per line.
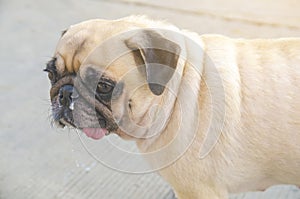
<point x="104" y="88"/>
<point x="50" y="76"/>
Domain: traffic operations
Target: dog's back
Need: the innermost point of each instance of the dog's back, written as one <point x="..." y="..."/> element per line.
<point x="261" y="80"/>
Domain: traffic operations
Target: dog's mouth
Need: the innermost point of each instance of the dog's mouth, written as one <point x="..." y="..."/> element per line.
<point x="65" y="117"/>
<point x="94" y="133"/>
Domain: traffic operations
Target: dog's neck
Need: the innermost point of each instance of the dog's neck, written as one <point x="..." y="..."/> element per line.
<point x="178" y="99"/>
<point x="168" y="145"/>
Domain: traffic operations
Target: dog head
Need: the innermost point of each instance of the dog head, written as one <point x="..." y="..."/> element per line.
<point x="115" y="76"/>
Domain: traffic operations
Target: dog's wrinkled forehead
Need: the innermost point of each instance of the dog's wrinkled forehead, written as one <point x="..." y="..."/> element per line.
<point x="79" y="40"/>
<point x="73" y="47"/>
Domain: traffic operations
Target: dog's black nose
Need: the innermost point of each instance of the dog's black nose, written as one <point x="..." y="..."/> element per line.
<point x="66" y="95"/>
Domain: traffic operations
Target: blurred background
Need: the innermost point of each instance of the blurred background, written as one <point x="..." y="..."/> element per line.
<point x="38" y="161"/>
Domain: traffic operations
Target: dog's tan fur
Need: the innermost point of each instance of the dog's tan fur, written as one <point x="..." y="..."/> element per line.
<point x="260" y="141"/>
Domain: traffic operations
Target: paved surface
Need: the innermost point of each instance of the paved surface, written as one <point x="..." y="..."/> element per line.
<point x="40" y="162"/>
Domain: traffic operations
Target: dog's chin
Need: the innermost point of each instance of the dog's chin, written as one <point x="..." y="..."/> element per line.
<point x="96" y="132"/>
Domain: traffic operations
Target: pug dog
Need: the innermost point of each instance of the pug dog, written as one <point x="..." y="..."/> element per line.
<point x="222" y="115"/>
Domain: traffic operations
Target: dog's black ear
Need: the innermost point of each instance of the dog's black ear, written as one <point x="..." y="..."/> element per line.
<point x="64" y="32"/>
<point x="158" y="54"/>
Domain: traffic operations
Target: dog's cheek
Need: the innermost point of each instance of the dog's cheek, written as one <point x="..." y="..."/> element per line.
<point x="140" y="104"/>
<point x="119" y="105"/>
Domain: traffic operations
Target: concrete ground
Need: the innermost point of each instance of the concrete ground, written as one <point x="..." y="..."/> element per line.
<point x="40" y="162"/>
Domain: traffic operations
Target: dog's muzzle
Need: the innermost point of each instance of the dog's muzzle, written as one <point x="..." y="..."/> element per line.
<point x="70" y="87"/>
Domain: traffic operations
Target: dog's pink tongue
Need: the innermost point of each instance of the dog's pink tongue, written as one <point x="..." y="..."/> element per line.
<point x="95" y="133"/>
